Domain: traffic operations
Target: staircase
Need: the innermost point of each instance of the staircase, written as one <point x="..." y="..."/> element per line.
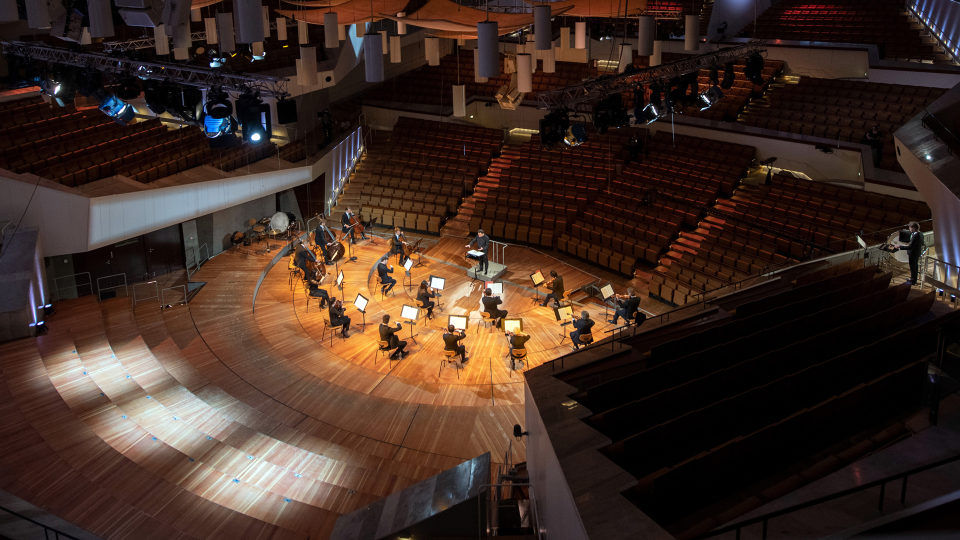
<point x="468" y="219"/>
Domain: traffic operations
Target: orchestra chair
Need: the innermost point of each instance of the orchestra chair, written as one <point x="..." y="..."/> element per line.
<point x="486" y="320"/>
<point x="295" y="272"/>
<point x="383" y="349"/>
<point x="306" y="294"/>
<point x="448" y="358"/>
<point x="517" y="356"/>
<point x="332" y="328"/>
<point x="586" y="339"/>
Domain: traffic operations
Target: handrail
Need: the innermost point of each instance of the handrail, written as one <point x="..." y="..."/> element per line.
<point x="163" y="299"/>
<point x="101" y="289"/>
<point x="156" y="292"/>
<point x="882" y="482"/>
<point x="59" y="289"/>
<point x="46" y="528"/>
<point x="942" y="131"/>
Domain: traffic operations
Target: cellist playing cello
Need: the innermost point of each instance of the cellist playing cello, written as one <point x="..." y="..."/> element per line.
<point x="350" y="221"/>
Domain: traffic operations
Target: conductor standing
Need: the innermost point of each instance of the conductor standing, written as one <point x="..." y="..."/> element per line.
<point x="482" y="241"/>
<point x="914" y="249"/>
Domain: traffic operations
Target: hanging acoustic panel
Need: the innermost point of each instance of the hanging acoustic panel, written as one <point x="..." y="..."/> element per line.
<point x="549" y="61"/>
<point x="431" y="48"/>
<point x="580" y="35"/>
<point x="303" y="33"/>
<point x="395" y="52"/>
<point x="691" y="33"/>
<point x="385" y="41"/>
<point x="476" y="67"/>
<point x="401" y="26"/>
<point x="331" y="30"/>
<point x="626" y="57"/>
<point x="647" y="28"/>
<point x="225" y="32"/>
<point x="101" y="18"/>
<point x="307" y="66"/>
<point x="459" y="100"/>
<point x="373" y="57"/>
<point x="542" y="30"/>
<point x="210" y="27"/>
<point x="248" y="21"/>
<point x="161" y="42"/>
<point x="524" y="73"/>
<point x="281" y="29"/>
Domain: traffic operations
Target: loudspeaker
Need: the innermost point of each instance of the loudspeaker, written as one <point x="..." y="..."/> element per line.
<point x="287" y="111"/>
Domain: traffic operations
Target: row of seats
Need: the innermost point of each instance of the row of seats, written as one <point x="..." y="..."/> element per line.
<point x="751" y="386"/>
<point x="842" y="110"/>
<point x="416" y="175"/>
<point x="881" y="22"/>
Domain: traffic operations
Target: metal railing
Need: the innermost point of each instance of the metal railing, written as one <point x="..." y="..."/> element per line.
<point x="76" y="285"/>
<point x="163" y="295"/>
<point x="764" y="520"/>
<point x="197" y="261"/>
<point x="495" y="495"/>
<point x="48" y="532"/>
<point x="137" y="298"/>
<point x="119" y="279"/>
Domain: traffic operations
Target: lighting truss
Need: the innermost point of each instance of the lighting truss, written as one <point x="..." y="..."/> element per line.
<point x="199" y="77"/>
<point x="144" y="43"/>
<point x="593" y="90"/>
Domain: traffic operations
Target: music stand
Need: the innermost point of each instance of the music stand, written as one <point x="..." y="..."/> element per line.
<point x="360" y="302"/>
<point x="513" y="325"/>
<point x="537" y="279"/>
<point x="459" y="322"/>
<point x="407" y="265"/>
<point x="496" y="287"/>
<point x="411" y="313"/>
<point x="564" y="312"/>
<point x="339" y="283"/>
<point x="606" y="292"/>
<point x="437" y="284"/>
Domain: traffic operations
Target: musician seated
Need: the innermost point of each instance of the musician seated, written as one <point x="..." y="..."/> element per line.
<point x="556" y="289"/>
<point x="346" y="225"/>
<point x="583" y="325"/>
<point x="396" y="245"/>
<point x="389" y="334"/>
<point x="317" y="292"/>
<point x="300" y="259"/>
<point x="490" y="304"/>
<point x="628" y="306"/>
<point x="337" y="317"/>
<point x="518" y="340"/>
<point x="384" y="270"/>
<point x="424" y="295"/>
<point x="451" y="342"/>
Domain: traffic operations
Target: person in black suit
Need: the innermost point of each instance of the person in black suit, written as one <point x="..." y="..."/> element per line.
<point x="518" y="340"/>
<point x="345" y="223"/>
<point x="424" y="295"/>
<point x="914" y="249"/>
<point x="490" y="304"/>
<point x="323" y="236"/>
<point x="627" y="306"/>
<point x="583" y="325"/>
<point x="384" y="270"/>
<point x="482" y="242"/>
<point x="396" y="245"/>
<point x="337" y="317"/>
<point x="556" y="289"/>
<point x="451" y="342"/>
<point x="389" y="334"/>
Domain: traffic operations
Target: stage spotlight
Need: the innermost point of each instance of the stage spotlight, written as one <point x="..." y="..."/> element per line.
<point x="754" y="68"/>
<point x="729" y="76"/>
<point x="710" y="97"/>
<point x="122" y="112"/>
<point x="576" y="135"/>
<point x="254" y="117"/>
<point x="553" y="127"/>
<point x="216" y="127"/>
<point x="154" y="94"/>
<point x="609" y="112"/>
<point x="649" y="114"/>
<point x="218" y="104"/>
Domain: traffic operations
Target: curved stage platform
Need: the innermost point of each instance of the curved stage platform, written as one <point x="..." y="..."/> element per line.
<point x="407" y="407"/>
<point x="216" y="420"/>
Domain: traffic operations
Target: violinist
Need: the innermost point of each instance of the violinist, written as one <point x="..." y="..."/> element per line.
<point x="490" y="304"/>
<point x="396" y="245"/>
<point x="337" y="316"/>
<point x="556" y="289"/>
<point x="583" y="325"/>
<point x="347" y="223"/>
<point x="451" y="342"/>
<point x="323" y="236"/>
<point x="627" y="305"/>
<point x="483" y="242"/>
<point x="384" y="270"/>
<point x="424" y="295"/>
<point x="516" y="340"/>
<point x="389" y="334"/>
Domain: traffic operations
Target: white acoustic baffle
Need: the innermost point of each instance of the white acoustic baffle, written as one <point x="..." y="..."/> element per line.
<point x="645" y="34"/>
<point x="580" y="35"/>
<point x="459" y="100"/>
<point x="308" y="65"/>
<point x="524" y="73"/>
<point x="401" y="26"/>
<point x="476" y="67"/>
<point x="431" y="48"/>
<point x="281" y="29"/>
<point x="626" y="57"/>
<point x="225" y="32"/>
<point x="101" y="18"/>
<point x="331" y="30"/>
<point x="248" y="21"/>
<point x="395" y="50"/>
<point x="210" y="27"/>
<point x="303" y="33"/>
<point x="373" y="57"/>
<point x="161" y="42"/>
<point x="549" y="57"/>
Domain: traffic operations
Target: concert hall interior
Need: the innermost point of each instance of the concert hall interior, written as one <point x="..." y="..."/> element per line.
<point x="428" y="269"/>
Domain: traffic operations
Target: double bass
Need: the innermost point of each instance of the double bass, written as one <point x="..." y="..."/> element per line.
<point x="316" y="270"/>
<point x="335" y="249"/>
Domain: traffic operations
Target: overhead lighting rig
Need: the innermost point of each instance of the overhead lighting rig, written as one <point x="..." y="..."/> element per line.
<point x="571" y="97"/>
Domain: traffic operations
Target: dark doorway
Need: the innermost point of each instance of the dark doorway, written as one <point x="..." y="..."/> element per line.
<point x="163" y="250"/>
<point x="311" y="197"/>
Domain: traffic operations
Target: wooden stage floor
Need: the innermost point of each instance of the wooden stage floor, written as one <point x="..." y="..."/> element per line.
<point x="402" y="410"/>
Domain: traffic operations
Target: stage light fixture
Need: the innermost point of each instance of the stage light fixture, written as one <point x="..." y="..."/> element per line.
<point x="754" y="68"/>
<point x="254" y="117"/>
<point x="122" y="112"/>
<point x="218" y="104"/>
<point x="217" y="127"/>
<point x="649" y="114"/>
<point x="729" y="76"/>
<point x="128" y="88"/>
<point x="576" y="135"/>
<point x="710" y="97"/>
<point x="553" y="127"/>
<point x="609" y="112"/>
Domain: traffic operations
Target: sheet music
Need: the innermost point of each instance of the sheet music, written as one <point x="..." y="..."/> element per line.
<point x="475" y="253"/>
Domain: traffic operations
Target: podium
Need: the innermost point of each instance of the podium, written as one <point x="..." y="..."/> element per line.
<point x="495" y="266"/>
